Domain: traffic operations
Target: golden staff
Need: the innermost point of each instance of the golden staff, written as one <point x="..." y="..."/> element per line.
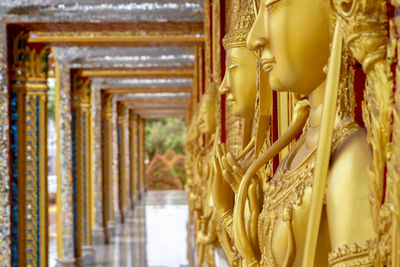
<point x="301" y="113"/>
<point x="324" y="148"/>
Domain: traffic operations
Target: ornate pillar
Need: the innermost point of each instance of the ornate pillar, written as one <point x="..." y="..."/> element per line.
<point x="5" y="223"/>
<point x="28" y="132"/>
<point x="81" y="167"/>
<point x="65" y="218"/>
<point x="133" y="156"/>
<point x="141" y="150"/>
<point x="98" y="230"/>
<point x="115" y="164"/>
<point x="108" y="184"/>
<point x="123" y="171"/>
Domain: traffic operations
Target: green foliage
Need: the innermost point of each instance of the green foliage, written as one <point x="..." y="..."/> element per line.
<point x="177" y="165"/>
<point x="164" y="134"/>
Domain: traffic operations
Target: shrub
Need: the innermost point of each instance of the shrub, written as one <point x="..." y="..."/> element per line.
<point x="159" y="175"/>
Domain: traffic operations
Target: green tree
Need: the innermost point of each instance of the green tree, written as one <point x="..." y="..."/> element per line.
<point x="164" y="134"/>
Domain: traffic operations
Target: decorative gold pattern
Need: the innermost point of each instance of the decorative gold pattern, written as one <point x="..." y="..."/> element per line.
<point x="284" y="192"/>
<point x="237" y="35"/>
<point x="31" y="185"/>
<point x="352" y="255"/>
<point x="81" y="101"/>
<point x="28" y="76"/>
<point x="370" y="33"/>
<point x="371" y="51"/>
<point x="5" y="223"/>
<point x="233" y="132"/>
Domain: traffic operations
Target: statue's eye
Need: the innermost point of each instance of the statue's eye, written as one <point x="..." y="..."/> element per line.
<point x="270" y="4"/>
<point x="233" y="66"/>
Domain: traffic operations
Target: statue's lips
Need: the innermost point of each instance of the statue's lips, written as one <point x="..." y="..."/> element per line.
<point x="230" y="98"/>
<point x="267" y="64"/>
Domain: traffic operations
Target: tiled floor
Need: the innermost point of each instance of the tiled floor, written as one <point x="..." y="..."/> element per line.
<point x="155" y="236"/>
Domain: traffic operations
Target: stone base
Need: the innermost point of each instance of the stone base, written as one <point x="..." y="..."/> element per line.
<point x="141" y="194"/>
<point x="110" y="231"/>
<point x="131" y="203"/>
<point x="117" y="216"/>
<point x="136" y="199"/>
<point x="70" y="262"/>
<point x="88" y="255"/>
<point x="98" y="236"/>
<point x="124" y="214"/>
<point x="128" y="213"/>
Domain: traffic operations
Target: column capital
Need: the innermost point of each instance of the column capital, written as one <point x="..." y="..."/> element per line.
<point x="108" y="106"/>
<point x="29" y="65"/>
<point x="122" y="112"/>
<point x="81" y="90"/>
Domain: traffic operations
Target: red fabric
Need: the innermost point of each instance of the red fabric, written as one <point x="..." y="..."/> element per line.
<point x="203" y="71"/>
<point x="359" y="86"/>
<point x="223" y="56"/>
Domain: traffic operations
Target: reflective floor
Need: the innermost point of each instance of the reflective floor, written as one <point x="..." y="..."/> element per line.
<point x="155" y="236"/>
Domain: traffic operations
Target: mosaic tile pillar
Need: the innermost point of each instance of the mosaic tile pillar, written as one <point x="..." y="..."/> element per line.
<point x="5" y="222"/>
<point x="123" y="161"/>
<point x="133" y="179"/>
<point x="115" y="165"/>
<point x="65" y="212"/>
<point x="81" y="167"/>
<point x="28" y="107"/>
<point x="98" y="230"/>
<point x="29" y="198"/>
<point x="141" y="150"/>
<point x="108" y="172"/>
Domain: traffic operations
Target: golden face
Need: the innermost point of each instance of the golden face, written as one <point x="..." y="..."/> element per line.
<point x="208" y="121"/>
<point x="294" y="38"/>
<point x="239" y="83"/>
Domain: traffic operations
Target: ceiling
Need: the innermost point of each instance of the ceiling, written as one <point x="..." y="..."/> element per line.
<point x="118" y="19"/>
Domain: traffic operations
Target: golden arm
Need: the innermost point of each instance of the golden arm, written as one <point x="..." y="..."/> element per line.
<point x="242" y="242"/>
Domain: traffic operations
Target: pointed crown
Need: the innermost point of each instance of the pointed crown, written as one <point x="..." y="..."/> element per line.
<point x="242" y="20"/>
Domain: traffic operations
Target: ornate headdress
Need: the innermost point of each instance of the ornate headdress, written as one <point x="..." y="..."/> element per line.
<point x="242" y="19"/>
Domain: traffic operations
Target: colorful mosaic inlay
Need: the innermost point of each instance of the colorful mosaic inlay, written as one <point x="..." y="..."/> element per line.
<point x="75" y="177"/>
<point x="32" y="158"/>
<point x="14" y="183"/>
<point x="38" y="181"/>
<point x="84" y="173"/>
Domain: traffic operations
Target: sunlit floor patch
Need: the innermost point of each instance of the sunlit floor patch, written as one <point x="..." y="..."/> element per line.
<point x="155" y="236"/>
<point x="166" y="219"/>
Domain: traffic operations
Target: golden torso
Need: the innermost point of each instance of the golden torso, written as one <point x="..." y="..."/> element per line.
<point x="284" y="217"/>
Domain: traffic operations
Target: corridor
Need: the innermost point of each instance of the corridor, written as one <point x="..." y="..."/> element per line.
<point x="153" y="236"/>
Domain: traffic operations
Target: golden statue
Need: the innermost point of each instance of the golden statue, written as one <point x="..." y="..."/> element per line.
<point x="316" y="209"/>
<point x="249" y="102"/>
<point x="334" y="198"/>
<point x="204" y="206"/>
